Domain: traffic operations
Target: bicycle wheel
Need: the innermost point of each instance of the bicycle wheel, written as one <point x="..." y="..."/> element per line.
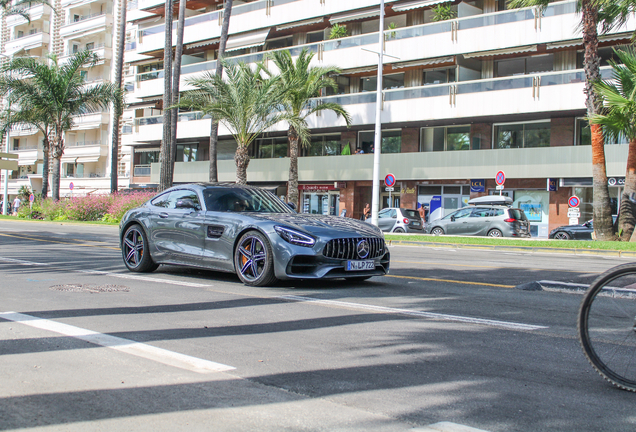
<point x="607" y="325"/>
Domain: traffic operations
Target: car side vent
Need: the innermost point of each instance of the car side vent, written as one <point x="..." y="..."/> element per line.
<point x="347" y="248"/>
<point x="215" y="231"/>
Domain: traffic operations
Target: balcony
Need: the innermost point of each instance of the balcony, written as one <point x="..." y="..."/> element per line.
<point x="524" y="163"/>
<point x="23" y="130"/>
<point x="35" y="12"/>
<point x="84" y="152"/>
<point x="27" y="42"/>
<point x="102" y="51"/>
<point x="29" y="155"/>
<point x="90" y="121"/>
<point x="94" y="22"/>
<point x="525" y="94"/>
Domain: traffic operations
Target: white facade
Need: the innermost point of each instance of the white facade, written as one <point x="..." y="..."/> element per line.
<point x="77" y="26"/>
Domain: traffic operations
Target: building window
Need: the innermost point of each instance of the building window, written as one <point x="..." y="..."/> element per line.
<point x="439" y="76"/>
<point x="606" y="54"/>
<point x="226" y="149"/>
<point x="445" y="138"/>
<point x="343" y="84"/>
<point x="314" y="37"/>
<point x="584" y="134"/>
<point x="524" y="65"/>
<point x="271" y="148"/>
<point x="393" y="81"/>
<point x="279" y="43"/>
<point x="188" y="152"/>
<point x="90" y="46"/>
<point x="323" y="145"/>
<point x="148" y="157"/>
<point x="16" y="144"/>
<point x="391" y="141"/>
<point x="522" y="135"/>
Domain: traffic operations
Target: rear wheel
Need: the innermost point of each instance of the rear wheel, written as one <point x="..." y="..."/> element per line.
<point x="437" y="231"/>
<point x="607" y="325"/>
<point x="399" y="230"/>
<point x="495" y="233"/>
<point x="135" y="250"/>
<point x="254" y="260"/>
<point x="562" y="236"/>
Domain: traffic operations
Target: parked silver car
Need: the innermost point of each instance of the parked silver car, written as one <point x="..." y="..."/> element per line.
<point x="400" y="220"/>
<point x="482" y="220"/>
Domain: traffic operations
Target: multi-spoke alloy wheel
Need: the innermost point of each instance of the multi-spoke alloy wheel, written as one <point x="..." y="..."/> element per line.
<point x="253" y="259"/>
<point x="562" y="236"/>
<point x="135" y="250"/>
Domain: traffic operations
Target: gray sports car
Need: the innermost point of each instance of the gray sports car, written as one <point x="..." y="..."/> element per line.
<point x="251" y="232"/>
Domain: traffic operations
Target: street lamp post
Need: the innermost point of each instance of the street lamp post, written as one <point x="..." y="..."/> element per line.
<point x="377" y="147"/>
<point x="5" y="198"/>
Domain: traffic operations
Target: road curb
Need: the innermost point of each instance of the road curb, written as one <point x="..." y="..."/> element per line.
<point x="543" y="285"/>
<point x="526" y="249"/>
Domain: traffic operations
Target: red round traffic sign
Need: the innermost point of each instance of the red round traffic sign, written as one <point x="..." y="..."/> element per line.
<point x="71" y="185"/>
<point x="574" y="201"/>
<point x="500" y="178"/>
<point x="389" y="180"/>
<point x="31" y="197"/>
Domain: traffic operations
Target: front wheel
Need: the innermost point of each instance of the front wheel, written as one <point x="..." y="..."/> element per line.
<point x="495" y="233"/>
<point x="607" y="326"/>
<point x="562" y="236"/>
<point x="399" y="230"/>
<point x="437" y="231"/>
<point x="135" y="250"/>
<point x="254" y="260"/>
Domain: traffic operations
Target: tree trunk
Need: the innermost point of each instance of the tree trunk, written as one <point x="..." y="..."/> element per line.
<point x="58" y="151"/>
<point x="46" y="146"/>
<point x="591" y="64"/>
<point x="242" y="159"/>
<point x="165" y="174"/>
<point x="626" y="214"/>
<point x="176" y="76"/>
<point x="214" y="128"/>
<point x="292" y="184"/>
<point x="117" y="106"/>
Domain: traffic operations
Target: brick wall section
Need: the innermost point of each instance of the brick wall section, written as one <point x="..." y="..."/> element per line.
<point x="559" y="207"/>
<point x="482" y="131"/>
<point x="349" y="137"/>
<point x="408" y="198"/>
<point x="562" y="132"/>
<point x="410" y="140"/>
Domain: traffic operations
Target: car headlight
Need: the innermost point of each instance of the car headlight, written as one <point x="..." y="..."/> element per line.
<point x="295" y="237"/>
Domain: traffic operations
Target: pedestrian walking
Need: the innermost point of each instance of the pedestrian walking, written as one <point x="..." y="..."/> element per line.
<point x="16" y="205"/>
<point x="366" y="213"/>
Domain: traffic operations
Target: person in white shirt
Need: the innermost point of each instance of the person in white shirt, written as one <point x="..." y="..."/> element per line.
<point x="16" y="205"/>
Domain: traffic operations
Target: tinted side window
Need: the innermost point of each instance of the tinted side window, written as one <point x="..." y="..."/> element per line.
<point x="384" y="214"/>
<point x="181" y="195"/>
<point x="517" y="214"/>
<point x="394" y="213"/>
<point x="411" y="214"/>
<point x="462" y="213"/>
<point x="497" y="212"/>
<point x="161" y="200"/>
<point x="481" y="212"/>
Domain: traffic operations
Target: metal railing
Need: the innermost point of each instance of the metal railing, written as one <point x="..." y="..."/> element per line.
<point x="31" y="33"/>
<point x="141" y="170"/>
<point x="84" y="143"/>
<point x="85" y="17"/>
<point x="98" y="46"/>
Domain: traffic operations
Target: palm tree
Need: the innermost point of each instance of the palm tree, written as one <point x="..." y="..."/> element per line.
<point x="214" y="126"/>
<point x="118" y="107"/>
<point x="59" y="92"/>
<point x="619" y="118"/>
<point x="176" y="77"/>
<point x="247" y="103"/>
<point x="166" y="159"/>
<point x="300" y="83"/>
<point x="41" y="121"/>
<point x="590" y="20"/>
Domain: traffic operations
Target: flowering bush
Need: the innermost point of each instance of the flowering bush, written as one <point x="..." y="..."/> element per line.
<point x="107" y="208"/>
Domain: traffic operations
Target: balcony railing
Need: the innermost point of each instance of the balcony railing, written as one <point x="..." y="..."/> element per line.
<point x="96" y="47"/>
<point x="31" y="33"/>
<point x="141" y="170"/>
<point x="83" y="143"/>
<point x="465" y="23"/>
<point x="189" y="116"/>
<point x="84" y="18"/>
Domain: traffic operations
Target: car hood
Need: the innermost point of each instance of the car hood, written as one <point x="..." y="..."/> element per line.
<point x="322" y="224"/>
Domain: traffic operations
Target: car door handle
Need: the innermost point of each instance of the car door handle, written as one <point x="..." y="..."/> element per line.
<point x="163" y="215"/>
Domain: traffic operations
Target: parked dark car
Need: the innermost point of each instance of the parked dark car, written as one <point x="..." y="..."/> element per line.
<point x="251" y="232"/>
<point x="582" y="231"/>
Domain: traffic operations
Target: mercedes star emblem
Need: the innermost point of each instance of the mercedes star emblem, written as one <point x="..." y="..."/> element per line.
<point x="363" y="249"/>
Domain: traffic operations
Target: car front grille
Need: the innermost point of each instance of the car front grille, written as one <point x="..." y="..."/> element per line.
<point x="347" y="248"/>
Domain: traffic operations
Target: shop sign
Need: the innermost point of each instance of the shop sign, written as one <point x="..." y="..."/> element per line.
<point x="409" y="191"/>
<point x="394" y="189"/>
<point x="316" y="188"/>
<point x="340" y="185"/>
<point x="478" y="185"/>
<point x="616" y="181"/>
<point x="552" y="184"/>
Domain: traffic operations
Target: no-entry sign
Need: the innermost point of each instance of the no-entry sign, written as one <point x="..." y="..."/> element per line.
<point x="574" y="201"/>
<point x="500" y="178"/>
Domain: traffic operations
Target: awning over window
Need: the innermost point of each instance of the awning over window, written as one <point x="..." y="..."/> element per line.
<point x="517" y="50"/>
<point x="300" y="23"/>
<point x="565" y="44"/>
<point x="87" y="159"/>
<point x="146" y="150"/>
<point x="247" y="40"/>
<point x="68" y="159"/>
<point x="203" y="43"/>
<point x="26" y="162"/>
<point x="354" y="71"/>
<point x="427" y="62"/>
<point x="615" y="37"/>
<point x="356" y="15"/>
<point x="416" y="4"/>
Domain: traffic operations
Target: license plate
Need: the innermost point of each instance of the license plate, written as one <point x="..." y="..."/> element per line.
<point x="360" y="265"/>
<point x="416" y="223"/>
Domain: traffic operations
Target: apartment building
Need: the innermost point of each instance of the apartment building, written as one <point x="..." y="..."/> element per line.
<point x="490" y="89"/>
<point x="65" y="28"/>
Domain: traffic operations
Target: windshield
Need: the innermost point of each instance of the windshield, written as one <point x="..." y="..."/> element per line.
<point x="236" y="199"/>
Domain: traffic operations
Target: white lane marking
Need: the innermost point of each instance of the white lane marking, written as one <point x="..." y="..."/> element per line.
<point x="432" y="315"/>
<point x="110" y="274"/>
<point x="127" y="346"/>
<point x="446" y="427"/>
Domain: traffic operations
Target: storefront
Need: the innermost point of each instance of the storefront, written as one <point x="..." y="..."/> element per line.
<point x="321" y="198"/>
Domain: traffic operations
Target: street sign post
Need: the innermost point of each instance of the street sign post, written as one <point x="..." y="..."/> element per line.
<point x="574" y="212"/>
<point x="389" y="182"/>
<point x="500" y="179"/>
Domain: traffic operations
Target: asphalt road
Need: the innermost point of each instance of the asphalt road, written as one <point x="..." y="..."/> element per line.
<point x="446" y="337"/>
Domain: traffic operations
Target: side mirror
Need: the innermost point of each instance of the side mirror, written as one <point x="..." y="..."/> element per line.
<point x="452" y="218"/>
<point x="185" y="203"/>
<point x="291" y="205"/>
